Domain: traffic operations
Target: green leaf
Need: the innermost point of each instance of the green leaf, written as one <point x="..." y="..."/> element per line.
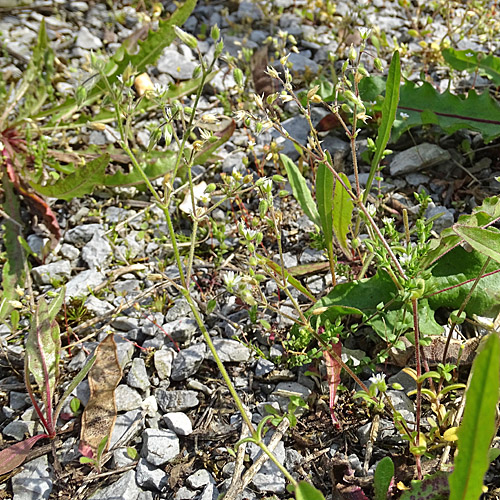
<point x="471" y="61"/>
<point x="290" y="279"/>
<point x="481" y="215"/>
<point x="13" y="271"/>
<point x="300" y="190"/>
<point x="76" y="380"/>
<point x="457" y="267"/>
<point x="148" y="53"/>
<point x="324" y="198"/>
<point x="478" y="112"/>
<point x="43" y="350"/>
<point x="383" y="477"/>
<point x="389" y="109"/>
<point x="486" y="241"/>
<point x="478" y="425"/>
<point x="342" y="211"/>
<point x="434" y="487"/>
<point x="306" y="491"/>
<point x="82" y="181"/>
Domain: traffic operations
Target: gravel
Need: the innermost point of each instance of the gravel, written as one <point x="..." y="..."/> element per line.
<point x="172" y="403"/>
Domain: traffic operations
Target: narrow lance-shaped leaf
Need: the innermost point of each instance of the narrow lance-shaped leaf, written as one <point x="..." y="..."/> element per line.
<point x="486" y="241"/>
<point x="76" y="380"/>
<point x="478" y="425"/>
<point x="324" y="197"/>
<point x="342" y="211"/>
<point x="389" y="109"/>
<point x="15" y="455"/>
<point x="383" y="477"/>
<point x="43" y="349"/>
<point x="13" y="272"/>
<point x="148" y="53"/>
<point x="301" y="191"/>
<point x="99" y="416"/>
<point x="333" y="369"/>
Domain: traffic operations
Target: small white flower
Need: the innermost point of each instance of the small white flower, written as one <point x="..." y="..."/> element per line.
<point x="404" y="116"/>
<point x="231" y="280"/>
<point x="249" y="234"/>
<point x="404" y="258"/>
<point x="469" y="54"/>
<point x="160" y="89"/>
<point x="371" y="209"/>
<point x="364" y="32"/>
<point x="377" y="378"/>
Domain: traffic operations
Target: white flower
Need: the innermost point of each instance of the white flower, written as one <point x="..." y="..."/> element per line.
<point x="371" y="209"/>
<point x="469" y="54"/>
<point x="231" y="280"/>
<point x="249" y="234"/>
<point x="404" y="116"/>
<point x="364" y="32"/>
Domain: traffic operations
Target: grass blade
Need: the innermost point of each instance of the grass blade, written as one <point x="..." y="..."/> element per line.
<point x="389" y="109"/>
<point x="478" y="426"/>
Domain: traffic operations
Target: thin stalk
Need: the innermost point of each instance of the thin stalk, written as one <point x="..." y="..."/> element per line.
<point x="460" y="311"/>
<point x="419" y="384"/>
<point x="218" y="361"/>
<point x="266" y="450"/>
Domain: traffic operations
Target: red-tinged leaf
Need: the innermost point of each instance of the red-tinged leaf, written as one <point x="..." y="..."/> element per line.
<point x="327" y="123"/>
<point x="333" y="369"/>
<point x="15" y="455"/>
<point x="85" y="450"/>
<point x="352" y="492"/>
<point x="35" y="203"/>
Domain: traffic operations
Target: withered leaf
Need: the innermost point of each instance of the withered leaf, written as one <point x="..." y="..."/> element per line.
<point x="99" y="416"/>
<point x="263" y="83"/>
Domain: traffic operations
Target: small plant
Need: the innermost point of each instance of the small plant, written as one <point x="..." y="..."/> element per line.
<point x="43" y="351"/>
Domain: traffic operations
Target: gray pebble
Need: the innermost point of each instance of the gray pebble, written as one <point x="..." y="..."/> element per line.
<point x="176" y="400"/>
<point x="86" y="40"/>
<point x="98" y="307"/>
<point x="424" y="155"/>
<point x="176" y="65"/>
<point x="199" y="479"/>
<point x="231" y="351"/>
<point x="163" y="360"/>
<point x="82" y="284"/>
<point x="96" y="252"/>
<point x="149" y="476"/>
<point x="188" y="361"/>
<point x="138" y="376"/>
<point x="34" y="481"/>
<point x="55" y="271"/>
<point x="18" y="429"/>
<point x="127" y="398"/>
<point x="179" y="423"/>
<point x="159" y="446"/>
<point x="126" y="488"/>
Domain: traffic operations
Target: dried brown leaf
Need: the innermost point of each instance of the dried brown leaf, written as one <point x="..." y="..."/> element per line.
<point x="99" y="416"/>
<point x="263" y="83"/>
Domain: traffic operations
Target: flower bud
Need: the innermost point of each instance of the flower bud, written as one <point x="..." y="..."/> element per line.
<point x="215" y="33"/>
<point x="238" y="77"/>
<point x="188" y="39"/>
